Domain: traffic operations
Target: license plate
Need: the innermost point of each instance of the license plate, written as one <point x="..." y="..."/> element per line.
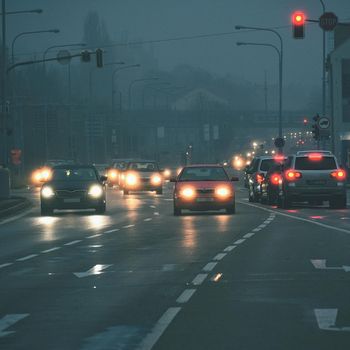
<point x="317" y="182"/>
<point x="205" y="199"/>
<point x="71" y="200"/>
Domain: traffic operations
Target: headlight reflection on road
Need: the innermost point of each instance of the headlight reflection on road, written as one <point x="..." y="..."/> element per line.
<point x="222" y="222"/>
<point x="189" y="233"/>
<point x="97" y="222"/>
<point x="48" y="225"/>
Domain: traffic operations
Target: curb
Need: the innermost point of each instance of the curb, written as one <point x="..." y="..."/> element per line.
<point x="16" y="209"/>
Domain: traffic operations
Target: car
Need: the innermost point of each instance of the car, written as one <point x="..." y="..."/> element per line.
<point x="102" y="169"/>
<point x="204" y="187"/>
<point x="315" y="177"/>
<point x="73" y="187"/>
<point x="255" y="175"/>
<point x="142" y="175"/>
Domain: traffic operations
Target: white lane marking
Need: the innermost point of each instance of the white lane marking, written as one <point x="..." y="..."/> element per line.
<point x="8" y="321"/>
<point x="148" y="219"/>
<point x="210" y="266"/>
<point x="219" y="256"/>
<point x="16" y="217"/>
<point x="156" y="213"/>
<point x="168" y="267"/>
<point x="27" y="257"/>
<point x="239" y="241"/>
<point x="168" y="199"/>
<point x="256" y="230"/>
<point x="249" y="235"/>
<point x="326" y="320"/>
<point x="299" y="218"/>
<point x="51" y="250"/>
<point x="95" y="270"/>
<point x="128" y="226"/>
<point x="5" y="265"/>
<point x="230" y="248"/>
<point x="111" y="231"/>
<point x="321" y="264"/>
<point x="94" y="236"/>
<point x="266" y="222"/>
<point x="199" y="279"/>
<point x="262" y="226"/>
<point x="152" y="206"/>
<point x="159" y="328"/>
<point x="185" y="296"/>
<point x="73" y="242"/>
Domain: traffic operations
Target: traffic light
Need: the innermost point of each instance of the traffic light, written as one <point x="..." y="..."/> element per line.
<point x="85" y="56"/>
<point x="315" y="128"/>
<point x="298" y="22"/>
<point x="99" y="58"/>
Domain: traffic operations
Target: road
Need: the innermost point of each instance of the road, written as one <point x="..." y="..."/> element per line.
<point x="140" y="278"/>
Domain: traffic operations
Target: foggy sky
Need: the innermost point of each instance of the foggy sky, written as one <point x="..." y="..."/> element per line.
<point x="159" y="19"/>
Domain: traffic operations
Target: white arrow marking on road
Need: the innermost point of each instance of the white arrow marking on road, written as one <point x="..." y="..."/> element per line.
<point x="96" y="270"/>
<point x="321" y="264"/>
<point x="8" y="321"/>
<point x="326" y="319"/>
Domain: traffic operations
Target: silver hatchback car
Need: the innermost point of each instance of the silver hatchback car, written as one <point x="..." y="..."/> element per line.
<point x="315" y="177"/>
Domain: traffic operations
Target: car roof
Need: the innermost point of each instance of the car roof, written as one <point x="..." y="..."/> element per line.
<point x="73" y="166"/>
<point x="203" y="166"/>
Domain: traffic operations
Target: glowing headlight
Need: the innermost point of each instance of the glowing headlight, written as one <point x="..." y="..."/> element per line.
<point x="95" y="191"/>
<point x="167" y="173"/>
<point x="112" y="174"/>
<point x="47" y="192"/>
<point x="45" y="174"/>
<point x="131" y="179"/>
<point x="156" y="180"/>
<point x="223" y="192"/>
<point x="36" y="177"/>
<point x="188" y="193"/>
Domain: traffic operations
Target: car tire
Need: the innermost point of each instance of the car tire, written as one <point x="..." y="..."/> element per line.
<point x="125" y="192"/>
<point x="231" y="210"/>
<point x="338" y="202"/>
<point x="45" y="211"/>
<point x="101" y="209"/>
<point x="159" y="191"/>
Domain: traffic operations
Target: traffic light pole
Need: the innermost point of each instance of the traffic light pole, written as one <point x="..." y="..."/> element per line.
<point x="3" y="124"/>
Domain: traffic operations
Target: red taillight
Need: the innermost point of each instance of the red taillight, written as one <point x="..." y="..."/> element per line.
<point x="279" y="158"/>
<point x="292" y="175"/>
<point x="315" y="156"/>
<point x="259" y="178"/>
<point x="275" y="179"/>
<point x="339" y="175"/>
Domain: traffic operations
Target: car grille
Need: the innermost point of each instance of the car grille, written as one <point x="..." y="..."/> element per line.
<point x="70" y="193"/>
<point x="205" y="191"/>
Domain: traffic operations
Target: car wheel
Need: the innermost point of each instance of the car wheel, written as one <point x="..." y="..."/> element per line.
<point x="101" y="209"/>
<point x="45" y="211"/>
<point x="125" y="192"/>
<point x="231" y="210"/>
<point x="338" y="202"/>
<point x="159" y="191"/>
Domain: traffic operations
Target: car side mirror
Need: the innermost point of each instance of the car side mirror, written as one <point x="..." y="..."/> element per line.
<point x="103" y="178"/>
<point x="234" y="178"/>
<point x="173" y="179"/>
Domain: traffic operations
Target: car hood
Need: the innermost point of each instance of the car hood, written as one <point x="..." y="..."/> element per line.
<point x="71" y="185"/>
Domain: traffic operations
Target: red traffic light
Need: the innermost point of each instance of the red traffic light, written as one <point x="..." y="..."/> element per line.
<point x="298" y="18"/>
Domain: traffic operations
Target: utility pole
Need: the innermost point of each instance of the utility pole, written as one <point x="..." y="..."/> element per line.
<point x="265" y="93"/>
<point x="4" y="82"/>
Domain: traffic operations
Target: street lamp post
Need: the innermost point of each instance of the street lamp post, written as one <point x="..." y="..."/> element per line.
<point x="323" y="64"/>
<point x="280" y="128"/>
<point x="135" y="82"/>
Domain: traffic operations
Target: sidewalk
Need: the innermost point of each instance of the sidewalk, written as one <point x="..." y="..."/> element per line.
<point x="13" y="206"/>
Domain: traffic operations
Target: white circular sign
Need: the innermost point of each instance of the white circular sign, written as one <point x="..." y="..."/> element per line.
<point x="324" y="123"/>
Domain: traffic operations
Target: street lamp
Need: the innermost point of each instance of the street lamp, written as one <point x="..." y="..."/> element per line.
<point x="280" y="131"/>
<point x="135" y="82"/>
<point x="280" y="75"/>
<point x="323" y="65"/>
<point x="55" y="31"/>
<point x="113" y="79"/>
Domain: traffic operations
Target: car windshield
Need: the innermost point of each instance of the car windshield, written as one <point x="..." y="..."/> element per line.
<point x="323" y="163"/>
<point x="74" y="174"/>
<point x="203" y="174"/>
<point x="143" y="166"/>
<point x="266" y="164"/>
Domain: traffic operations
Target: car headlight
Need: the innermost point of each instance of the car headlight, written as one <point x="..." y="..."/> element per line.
<point x="131" y="179"/>
<point x="47" y="192"/>
<point x="188" y="193"/>
<point x="95" y="191"/>
<point x="45" y="174"/>
<point x="36" y="176"/>
<point x="112" y="174"/>
<point x="156" y="180"/>
<point x="167" y="173"/>
<point x="223" y="192"/>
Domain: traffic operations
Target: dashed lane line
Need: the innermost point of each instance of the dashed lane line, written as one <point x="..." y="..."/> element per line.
<point x="94" y="236"/>
<point x="50" y="250"/>
<point x="199" y="279"/>
<point x="27" y="257"/>
<point x="111" y="231"/>
<point x="128" y="226"/>
<point x="210" y="266"/>
<point x="16" y="217"/>
<point x="148" y="219"/>
<point x="230" y="248"/>
<point x="249" y="235"/>
<point x="73" y="242"/>
<point x="5" y="265"/>
<point x="239" y="241"/>
<point x="185" y="296"/>
<point x="219" y="256"/>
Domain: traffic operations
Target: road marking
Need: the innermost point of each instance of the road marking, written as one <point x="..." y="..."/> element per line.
<point x="256" y="230"/>
<point x="128" y="226"/>
<point x="168" y="267"/>
<point x="73" y="242"/>
<point x="239" y="241"/>
<point x="156" y="213"/>
<point x="16" y="217"/>
<point x="185" y="296"/>
<point x="111" y="231"/>
<point x="199" y="279"/>
<point x="326" y="320"/>
<point x="262" y="226"/>
<point x="5" y="265"/>
<point x="148" y="219"/>
<point x="95" y="270"/>
<point x="249" y="235"/>
<point x="159" y="328"/>
<point x="299" y="218"/>
<point x="27" y="257"/>
<point x="94" y="236"/>
<point x="230" y="248"/>
<point x="8" y="321"/>
<point x="210" y="266"/>
<point x="219" y="256"/>
<point x="51" y="250"/>
<point x="321" y="264"/>
<point x="152" y="206"/>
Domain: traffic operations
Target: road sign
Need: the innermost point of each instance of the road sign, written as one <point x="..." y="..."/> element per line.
<point x="279" y="142"/>
<point x="324" y="123"/>
<point x="328" y="21"/>
<point x="63" y="57"/>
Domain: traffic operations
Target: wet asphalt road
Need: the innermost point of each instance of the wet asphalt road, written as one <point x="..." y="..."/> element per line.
<point x="140" y="278"/>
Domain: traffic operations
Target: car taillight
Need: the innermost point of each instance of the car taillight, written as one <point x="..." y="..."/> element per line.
<point x="275" y="179"/>
<point x="259" y="178"/>
<point x="339" y="175"/>
<point x="292" y="175"/>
